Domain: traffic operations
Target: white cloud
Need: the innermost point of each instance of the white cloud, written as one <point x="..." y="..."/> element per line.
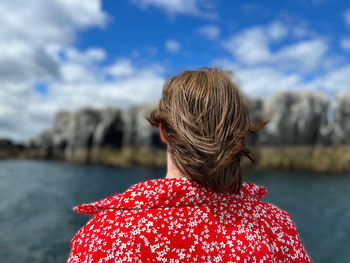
<point x="253" y="47"/>
<point x="32" y="37"/>
<point x="74" y="72"/>
<point x="24" y="61"/>
<point x="209" y="31"/>
<point x="266" y="81"/>
<point x="200" y="8"/>
<point x="261" y="70"/>
<point x="42" y="21"/>
<point x="121" y="68"/>
<point x="120" y="84"/>
<point x="249" y="46"/>
<point x="37" y="46"/>
<point x="91" y="55"/>
<point x="300" y="31"/>
<point x="277" y="31"/>
<point x="78" y="65"/>
<point x="261" y="81"/>
<point x="32" y="33"/>
<point x="173" y="46"/>
<point x="345" y="43"/>
<point x="333" y="81"/>
<point x="347" y="17"/>
<point x="306" y="54"/>
<point x="117" y="90"/>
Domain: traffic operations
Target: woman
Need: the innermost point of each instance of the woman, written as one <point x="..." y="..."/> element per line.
<point x="201" y="211"/>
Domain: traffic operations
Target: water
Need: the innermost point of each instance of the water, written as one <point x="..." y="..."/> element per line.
<point x="37" y="221"/>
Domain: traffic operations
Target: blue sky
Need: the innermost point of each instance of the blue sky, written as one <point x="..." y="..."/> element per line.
<point x="67" y="54"/>
<point x="134" y="28"/>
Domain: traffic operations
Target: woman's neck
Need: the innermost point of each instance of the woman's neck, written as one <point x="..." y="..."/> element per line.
<point x="172" y="171"/>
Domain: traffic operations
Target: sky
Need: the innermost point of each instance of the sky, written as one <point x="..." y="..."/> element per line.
<point x="67" y="54"/>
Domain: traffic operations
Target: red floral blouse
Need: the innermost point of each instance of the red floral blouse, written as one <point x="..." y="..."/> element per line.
<point x="179" y="220"/>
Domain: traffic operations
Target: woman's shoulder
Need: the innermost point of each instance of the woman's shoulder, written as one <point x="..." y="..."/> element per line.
<point x="156" y="209"/>
<point x="272" y="210"/>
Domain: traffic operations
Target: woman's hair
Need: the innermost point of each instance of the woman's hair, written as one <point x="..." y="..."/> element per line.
<point x="205" y="121"/>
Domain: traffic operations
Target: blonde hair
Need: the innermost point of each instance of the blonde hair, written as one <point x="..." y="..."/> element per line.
<point x="206" y="122"/>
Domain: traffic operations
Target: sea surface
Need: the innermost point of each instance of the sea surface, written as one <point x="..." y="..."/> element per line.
<point x="37" y="221"/>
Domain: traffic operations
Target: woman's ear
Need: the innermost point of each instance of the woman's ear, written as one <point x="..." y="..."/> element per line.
<point x="162" y="135"/>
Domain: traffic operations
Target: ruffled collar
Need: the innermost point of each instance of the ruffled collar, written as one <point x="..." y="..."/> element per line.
<point x="169" y="192"/>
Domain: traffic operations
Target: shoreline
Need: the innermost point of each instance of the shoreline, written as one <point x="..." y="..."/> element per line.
<point x="335" y="159"/>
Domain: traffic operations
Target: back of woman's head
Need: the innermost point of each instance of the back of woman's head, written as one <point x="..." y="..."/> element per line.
<point x="205" y="121"/>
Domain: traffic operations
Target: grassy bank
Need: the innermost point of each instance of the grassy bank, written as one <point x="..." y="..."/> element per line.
<point x="304" y="158"/>
<point x="292" y="158"/>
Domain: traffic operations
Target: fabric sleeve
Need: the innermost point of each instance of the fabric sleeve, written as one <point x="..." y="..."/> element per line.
<point x="79" y="243"/>
<point x="291" y="248"/>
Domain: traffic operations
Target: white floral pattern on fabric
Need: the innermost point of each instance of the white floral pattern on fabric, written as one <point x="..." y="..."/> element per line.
<point x="179" y="220"/>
